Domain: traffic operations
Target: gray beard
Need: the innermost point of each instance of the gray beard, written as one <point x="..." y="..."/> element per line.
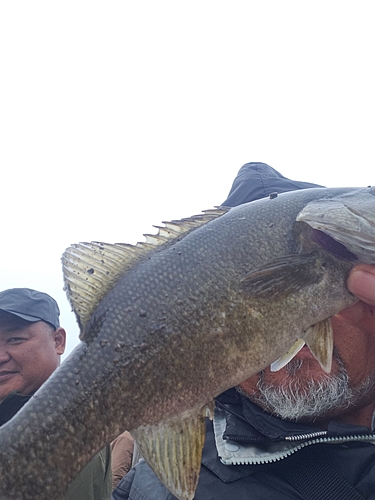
<point x="305" y="399"/>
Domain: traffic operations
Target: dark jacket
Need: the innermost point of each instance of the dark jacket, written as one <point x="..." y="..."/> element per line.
<point x="94" y="482"/>
<point x="267" y="449"/>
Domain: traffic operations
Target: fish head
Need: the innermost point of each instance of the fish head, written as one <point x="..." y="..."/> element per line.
<point x="344" y="224"/>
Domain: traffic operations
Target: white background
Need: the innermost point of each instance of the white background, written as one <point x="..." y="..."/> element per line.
<point x="117" y="115"/>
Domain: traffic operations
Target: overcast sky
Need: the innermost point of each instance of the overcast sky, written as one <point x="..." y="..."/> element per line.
<point x="116" y="115"/>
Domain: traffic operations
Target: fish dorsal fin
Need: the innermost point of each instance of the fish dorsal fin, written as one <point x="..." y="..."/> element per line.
<point x="319" y="339"/>
<point x="174" y="451"/>
<point x="92" y="269"/>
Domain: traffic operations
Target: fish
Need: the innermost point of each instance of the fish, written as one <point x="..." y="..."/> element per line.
<point x="168" y="324"/>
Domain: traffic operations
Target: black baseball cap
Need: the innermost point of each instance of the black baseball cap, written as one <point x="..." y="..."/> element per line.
<point x="30" y="305"/>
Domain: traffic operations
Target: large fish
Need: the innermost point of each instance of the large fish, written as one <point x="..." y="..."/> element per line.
<point x="169" y="324"/>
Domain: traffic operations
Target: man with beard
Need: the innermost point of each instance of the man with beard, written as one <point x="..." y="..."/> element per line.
<point x="297" y="433"/>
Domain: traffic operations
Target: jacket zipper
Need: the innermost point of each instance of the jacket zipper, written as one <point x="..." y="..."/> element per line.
<point x="310" y="435"/>
<point x="286" y="453"/>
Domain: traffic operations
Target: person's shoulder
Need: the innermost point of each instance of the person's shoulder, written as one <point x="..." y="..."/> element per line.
<point x="94" y="482"/>
<point x="141" y="483"/>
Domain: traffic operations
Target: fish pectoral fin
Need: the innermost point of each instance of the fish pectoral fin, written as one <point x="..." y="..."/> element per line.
<point x="288" y="356"/>
<point x="173" y="450"/>
<point x="319" y="339"/>
<point x="282" y="276"/>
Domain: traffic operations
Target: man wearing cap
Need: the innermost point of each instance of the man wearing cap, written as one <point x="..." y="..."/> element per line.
<point x="31" y="343"/>
<point x="298" y="433"/>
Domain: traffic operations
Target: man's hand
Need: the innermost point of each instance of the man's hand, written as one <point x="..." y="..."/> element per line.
<point x="361" y="283"/>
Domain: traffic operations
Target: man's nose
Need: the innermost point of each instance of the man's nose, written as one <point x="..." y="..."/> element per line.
<point x="4" y="354"/>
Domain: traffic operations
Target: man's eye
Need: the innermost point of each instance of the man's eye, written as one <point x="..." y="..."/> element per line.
<point x="16" y="340"/>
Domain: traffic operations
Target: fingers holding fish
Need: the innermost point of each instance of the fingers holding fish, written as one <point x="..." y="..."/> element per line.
<point x="361" y="282"/>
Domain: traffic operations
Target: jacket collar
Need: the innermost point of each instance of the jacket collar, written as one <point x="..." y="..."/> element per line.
<point x="245" y="434"/>
<point x="245" y="421"/>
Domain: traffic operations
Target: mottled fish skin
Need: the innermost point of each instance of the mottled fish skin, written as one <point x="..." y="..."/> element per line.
<point x="177" y="329"/>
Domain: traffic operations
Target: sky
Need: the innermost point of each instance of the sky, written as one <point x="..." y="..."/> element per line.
<point x="117" y="115"/>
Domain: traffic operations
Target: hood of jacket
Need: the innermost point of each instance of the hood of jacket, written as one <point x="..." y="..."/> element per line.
<point x="257" y="180"/>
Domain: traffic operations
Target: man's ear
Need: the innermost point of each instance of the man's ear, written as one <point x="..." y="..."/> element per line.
<point x="59" y="336"/>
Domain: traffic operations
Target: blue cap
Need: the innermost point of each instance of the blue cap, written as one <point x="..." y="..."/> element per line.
<point x="30" y="305"/>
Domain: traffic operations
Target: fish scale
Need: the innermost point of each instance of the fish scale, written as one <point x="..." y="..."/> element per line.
<point x="169" y="324"/>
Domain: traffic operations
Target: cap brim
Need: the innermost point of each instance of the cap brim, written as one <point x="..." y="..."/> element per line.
<point x="26" y="317"/>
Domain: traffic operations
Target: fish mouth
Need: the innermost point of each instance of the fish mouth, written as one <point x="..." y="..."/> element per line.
<point x="332" y="246"/>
